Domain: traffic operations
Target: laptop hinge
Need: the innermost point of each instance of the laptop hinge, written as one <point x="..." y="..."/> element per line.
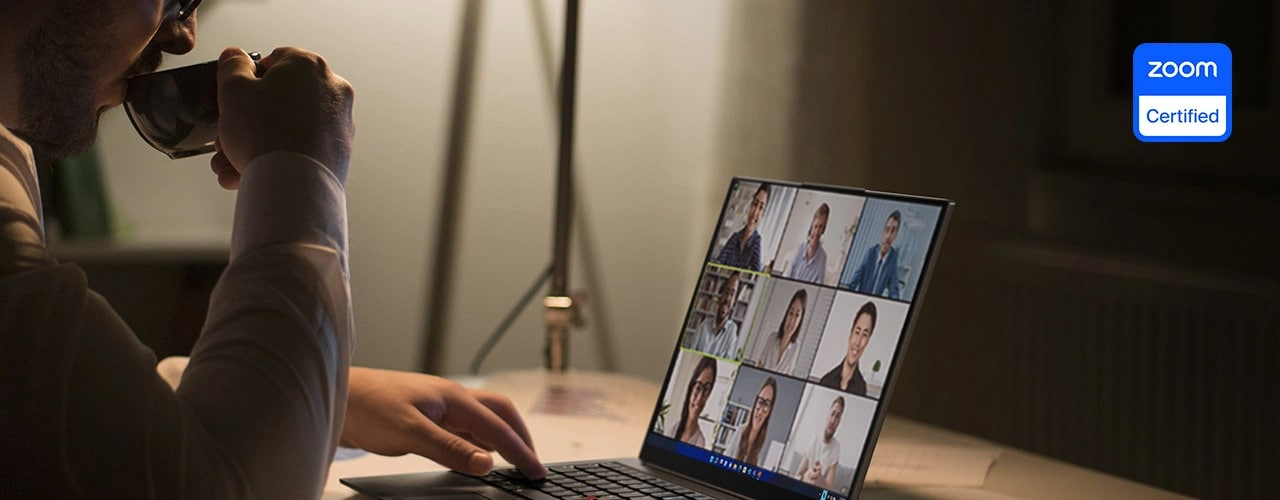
<point x="683" y="477"/>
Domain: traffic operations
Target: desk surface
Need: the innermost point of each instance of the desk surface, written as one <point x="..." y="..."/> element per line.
<point x="612" y="424"/>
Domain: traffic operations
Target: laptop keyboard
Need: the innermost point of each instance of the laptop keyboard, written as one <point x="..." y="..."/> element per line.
<point x="602" y="481"/>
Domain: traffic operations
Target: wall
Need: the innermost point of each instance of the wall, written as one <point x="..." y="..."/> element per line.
<point x="648" y="76"/>
<point x="647" y="110"/>
<point x="1092" y="340"/>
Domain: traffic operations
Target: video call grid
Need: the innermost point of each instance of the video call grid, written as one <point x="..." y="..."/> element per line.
<point x="775" y="227"/>
<point x="766" y="277"/>
<point x="817" y="332"/>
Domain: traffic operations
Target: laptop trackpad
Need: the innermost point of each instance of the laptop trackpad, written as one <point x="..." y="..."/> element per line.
<point x="457" y="496"/>
<point x="426" y="486"/>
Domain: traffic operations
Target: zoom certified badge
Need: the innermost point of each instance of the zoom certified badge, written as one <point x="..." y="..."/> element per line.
<point x="1182" y="92"/>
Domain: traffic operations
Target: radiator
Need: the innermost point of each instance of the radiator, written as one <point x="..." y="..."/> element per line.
<point x="1159" y="374"/>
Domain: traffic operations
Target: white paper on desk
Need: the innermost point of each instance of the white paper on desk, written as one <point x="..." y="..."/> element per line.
<point x="914" y="464"/>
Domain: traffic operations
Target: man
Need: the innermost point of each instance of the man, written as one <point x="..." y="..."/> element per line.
<point x="810" y="262"/>
<point x="819" y="461"/>
<point x="264" y="399"/>
<point x="846" y="376"/>
<point x="718" y="335"/>
<point x="878" y="273"/>
<point x="743" y="248"/>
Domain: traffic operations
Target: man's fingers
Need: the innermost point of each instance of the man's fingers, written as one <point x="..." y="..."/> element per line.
<point x="276" y="55"/>
<point x="504" y="409"/>
<point x="478" y="444"/>
<point x="289" y="56"/>
<point x="450" y="450"/>
<point x="469" y="416"/>
<point x="234" y="63"/>
<point x="228" y="176"/>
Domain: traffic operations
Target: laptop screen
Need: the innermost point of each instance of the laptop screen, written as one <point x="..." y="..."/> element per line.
<point x="779" y="382"/>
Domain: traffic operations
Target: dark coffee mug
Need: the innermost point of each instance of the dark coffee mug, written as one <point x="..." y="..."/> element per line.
<point x="176" y="110"/>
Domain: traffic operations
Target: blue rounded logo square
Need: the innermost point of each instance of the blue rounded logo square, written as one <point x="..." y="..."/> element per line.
<point x="1182" y="92"/>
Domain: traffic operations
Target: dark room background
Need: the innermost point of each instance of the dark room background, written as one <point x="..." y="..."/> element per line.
<point x="1100" y="300"/>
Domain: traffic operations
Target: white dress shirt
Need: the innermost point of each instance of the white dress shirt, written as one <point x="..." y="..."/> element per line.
<point x="83" y="412"/>
<point x="722" y="342"/>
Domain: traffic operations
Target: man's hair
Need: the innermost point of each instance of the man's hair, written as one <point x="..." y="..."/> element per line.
<point x="896" y="215"/>
<point x="704" y="364"/>
<point x="868" y="309"/>
<point x="823" y="211"/>
<point x="839" y="400"/>
<point x="728" y="282"/>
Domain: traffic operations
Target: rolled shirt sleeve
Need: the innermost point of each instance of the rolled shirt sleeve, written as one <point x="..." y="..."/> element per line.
<point x="259" y="410"/>
<point x="268" y="376"/>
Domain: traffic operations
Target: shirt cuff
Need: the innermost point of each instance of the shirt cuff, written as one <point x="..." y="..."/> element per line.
<point x="289" y="198"/>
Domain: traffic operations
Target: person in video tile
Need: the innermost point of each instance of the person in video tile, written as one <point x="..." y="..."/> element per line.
<point x="779" y="352"/>
<point x="753" y="435"/>
<point x="703" y="380"/>
<point x="718" y="335"/>
<point x="818" y="464"/>
<point x="743" y="248"/>
<point x="878" y="273"/>
<point x="811" y="260"/>
<point x="846" y="376"/>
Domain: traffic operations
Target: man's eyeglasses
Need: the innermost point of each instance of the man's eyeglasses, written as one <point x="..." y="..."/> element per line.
<point x="184" y="8"/>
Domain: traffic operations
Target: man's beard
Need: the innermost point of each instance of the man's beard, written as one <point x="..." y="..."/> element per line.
<point x="58" y="62"/>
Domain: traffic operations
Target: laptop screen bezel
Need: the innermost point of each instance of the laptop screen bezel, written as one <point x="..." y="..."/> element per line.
<point x="659" y="451"/>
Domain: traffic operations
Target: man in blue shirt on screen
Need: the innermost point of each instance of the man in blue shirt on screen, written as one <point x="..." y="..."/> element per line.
<point x="878" y="273"/>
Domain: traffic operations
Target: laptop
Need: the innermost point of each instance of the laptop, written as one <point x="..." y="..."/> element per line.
<point x="780" y="380"/>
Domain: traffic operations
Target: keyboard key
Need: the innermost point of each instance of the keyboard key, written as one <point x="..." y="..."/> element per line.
<point x="509" y="473"/>
<point x="605" y="481"/>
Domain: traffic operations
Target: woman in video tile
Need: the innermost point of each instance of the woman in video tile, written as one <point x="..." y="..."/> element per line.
<point x="743" y="248"/>
<point x="753" y="435"/>
<point x="701" y="383"/>
<point x="779" y="352"/>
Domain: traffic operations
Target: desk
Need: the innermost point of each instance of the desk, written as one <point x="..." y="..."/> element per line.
<point x="614" y="414"/>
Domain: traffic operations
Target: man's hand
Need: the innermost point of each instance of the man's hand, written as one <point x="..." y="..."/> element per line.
<point x="393" y="413"/>
<point x="815" y="473"/>
<point x="295" y="103"/>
